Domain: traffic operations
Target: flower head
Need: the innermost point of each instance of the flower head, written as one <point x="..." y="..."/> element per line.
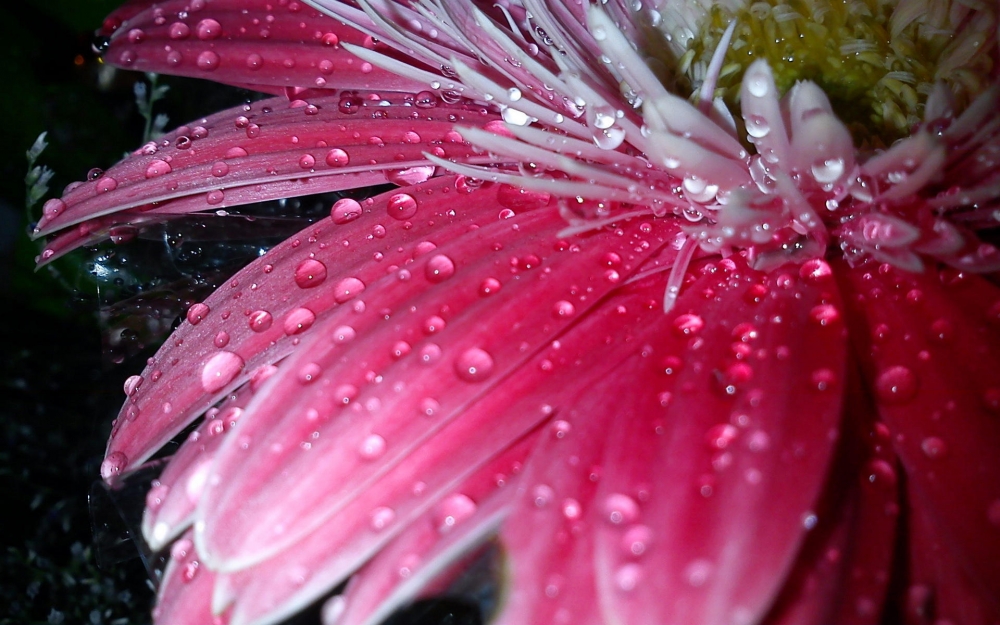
<point x="733" y="350"/>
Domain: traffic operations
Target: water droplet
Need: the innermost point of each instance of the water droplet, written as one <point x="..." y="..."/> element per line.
<point x="337" y="158"/>
<point x="310" y="273"/>
<point x="196" y="313"/>
<point x="345" y="211"/>
<point x="157" y="168"/>
<point x="307" y="161"/>
<point x="687" y="325"/>
<point x="347" y="289"/>
<point x="208" y="29"/>
<point x="401" y="206"/>
<point x="697" y="572"/>
<point x="221" y="339"/>
<point x="381" y="517"/>
<point x="489" y="286"/>
<point x="933" y="447"/>
<point x="439" y="268"/>
<point x="344" y="334"/>
<point x="207" y="61"/>
<point x="298" y="320"/>
<point x="721" y="436"/>
<point x="542" y="495"/>
<point x="429" y="354"/>
<point x="452" y="510"/>
<point x="259" y="320"/>
<point x="620" y="509"/>
<point x="372" y="447"/>
<point x="896" y="385"/>
<point x="310" y="372"/>
<point x="628" y="577"/>
<point x="220" y="370"/>
<point x="824" y="314"/>
<point x="474" y="365"/>
<point x="563" y="309"/>
<point x="881" y="473"/>
<point x="179" y="30"/>
<point x="132" y="385"/>
<point x="636" y="540"/>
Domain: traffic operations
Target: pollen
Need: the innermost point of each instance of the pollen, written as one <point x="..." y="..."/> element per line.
<point x="877" y="61"/>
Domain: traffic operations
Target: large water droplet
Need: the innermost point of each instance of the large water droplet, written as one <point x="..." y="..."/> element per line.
<point x="439" y="268"/>
<point x="474" y="365"/>
<point x="345" y="210"/>
<point x="347" y="289"/>
<point x="620" y="509"/>
<point x="298" y="320"/>
<point x="896" y="385"/>
<point x="259" y="320"/>
<point x="196" y="313"/>
<point x="372" y="447"/>
<point x="310" y="273"/>
<point x="220" y="370"/>
<point x="401" y="206"/>
<point x="452" y="510"/>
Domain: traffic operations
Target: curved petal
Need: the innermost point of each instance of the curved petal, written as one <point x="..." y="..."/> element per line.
<point x="270" y="149"/>
<point x="185" y="594"/>
<point x="256" y="44"/>
<point x="723" y="457"/>
<point x="419" y="336"/>
<point x="932" y="353"/>
<point x="266" y="307"/>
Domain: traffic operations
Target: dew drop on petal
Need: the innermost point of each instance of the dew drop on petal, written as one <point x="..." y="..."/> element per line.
<point x="207" y="61"/>
<point x="309" y="373"/>
<point x="933" y="447"/>
<point x="474" y="365"/>
<point x="196" y="313"/>
<point x="401" y="206"/>
<point x="372" y="447"/>
<point x="439" y="268"/>
<point x="132" y="384"/>
<point x="452" y="510"/>
<point x="157" y="168"/>
<point x="220" y="370"/>
<point x="347" y="288"/>
<point x="345" y="210"/>
<point x="620" y="509"/>
<point x="689" y="324"/>
<point x="896" y="385"/>
<point x="563" y="309"/>
<point x="628" y="576"/>
<point x="337" y="158"/>
<point x="259" y="320"/>
<point x="381" y="517"/>
<point x="221" y="339"/>
<point x="298" y="320"/>
<point x="310" y="273"/>
<point x="697" y="572"/>
<point x="636" y="540"/>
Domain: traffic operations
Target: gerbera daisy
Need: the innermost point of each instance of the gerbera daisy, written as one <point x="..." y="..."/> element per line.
<point x="682" y="302"/>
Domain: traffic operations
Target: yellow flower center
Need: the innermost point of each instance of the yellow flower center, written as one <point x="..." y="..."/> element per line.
<point x="876" y="60"/>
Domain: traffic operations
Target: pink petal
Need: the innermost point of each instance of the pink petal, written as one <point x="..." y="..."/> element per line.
<point x="256" y="44"/>
<point x="724" y="454"/>
<point x="171" y="503"/>
<point x="407" y="566"/>
<point x="437" y="481"/>
<point x="932" y="354"/>
<point x="260" y="308"/>
<point x="267" y="150"/>
<point x="549" y="534"/>
<point x="185" y="594"/>
<point x="420" y="336"/>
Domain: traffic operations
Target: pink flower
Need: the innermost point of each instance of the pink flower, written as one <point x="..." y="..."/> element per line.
<point x="683" y="377"/>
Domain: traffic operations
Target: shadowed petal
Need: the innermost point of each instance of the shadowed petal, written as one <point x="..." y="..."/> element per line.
<point x="726" y="451"/>
<point x="932" y="351"/>
<point x="843" y="570"/>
